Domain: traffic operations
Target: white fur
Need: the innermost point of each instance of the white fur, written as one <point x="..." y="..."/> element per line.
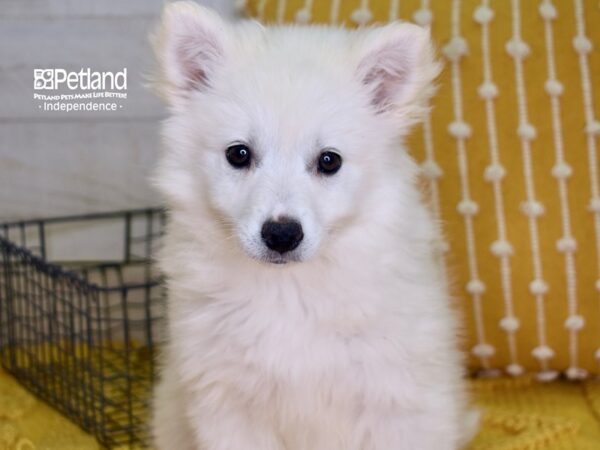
<point x="351" y="344"/>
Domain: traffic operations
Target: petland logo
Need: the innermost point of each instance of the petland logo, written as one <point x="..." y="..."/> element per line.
<point x="83" y="90"/>
<point x="85" y="79"/>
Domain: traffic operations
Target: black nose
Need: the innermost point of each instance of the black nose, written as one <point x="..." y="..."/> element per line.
<point x="283" y="235"/>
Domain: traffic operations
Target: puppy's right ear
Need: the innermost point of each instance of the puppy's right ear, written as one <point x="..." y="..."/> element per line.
<point x="189" y="46"/>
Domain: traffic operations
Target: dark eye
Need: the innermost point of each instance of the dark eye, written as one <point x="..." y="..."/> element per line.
<point x="238" y="155"/>
<point x="329" y="163"/>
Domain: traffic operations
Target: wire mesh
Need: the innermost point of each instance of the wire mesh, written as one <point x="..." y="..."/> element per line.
<point x="81" y="311"/>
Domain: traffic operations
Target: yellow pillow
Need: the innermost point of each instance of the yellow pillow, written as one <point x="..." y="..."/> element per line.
<point x="509" y="157"/>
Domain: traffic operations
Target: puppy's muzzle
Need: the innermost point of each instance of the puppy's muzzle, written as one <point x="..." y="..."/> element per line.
<point x="283" y="235"/>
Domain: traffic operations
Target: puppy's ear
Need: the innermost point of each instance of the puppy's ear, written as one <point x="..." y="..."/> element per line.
<point x="397" y="65"/>
<point x="189" y="46"/>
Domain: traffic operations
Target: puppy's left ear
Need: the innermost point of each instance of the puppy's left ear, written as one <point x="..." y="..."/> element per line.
<point x="396" y="63"/>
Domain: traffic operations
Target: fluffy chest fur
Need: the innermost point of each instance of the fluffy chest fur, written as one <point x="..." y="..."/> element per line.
<point x="316" y="346"/>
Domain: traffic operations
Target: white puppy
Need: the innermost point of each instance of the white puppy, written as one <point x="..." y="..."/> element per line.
<point x="306" y="311"/>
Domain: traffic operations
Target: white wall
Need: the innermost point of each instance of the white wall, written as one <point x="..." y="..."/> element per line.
<point x="62" y="163"/>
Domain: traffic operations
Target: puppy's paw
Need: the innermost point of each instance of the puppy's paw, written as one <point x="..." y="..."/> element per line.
<point x="472" y="423"/>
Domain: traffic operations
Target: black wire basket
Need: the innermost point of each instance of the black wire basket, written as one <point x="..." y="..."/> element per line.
<point x="81" y="308"/>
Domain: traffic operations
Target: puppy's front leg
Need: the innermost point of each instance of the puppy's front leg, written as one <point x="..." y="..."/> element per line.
<point x="170" y="428"/>
<point x="434" y="430"/>
<point x="230" y="426"/>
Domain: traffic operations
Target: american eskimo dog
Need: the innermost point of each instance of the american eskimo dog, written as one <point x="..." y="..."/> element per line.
<point x="306" y="309"/>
